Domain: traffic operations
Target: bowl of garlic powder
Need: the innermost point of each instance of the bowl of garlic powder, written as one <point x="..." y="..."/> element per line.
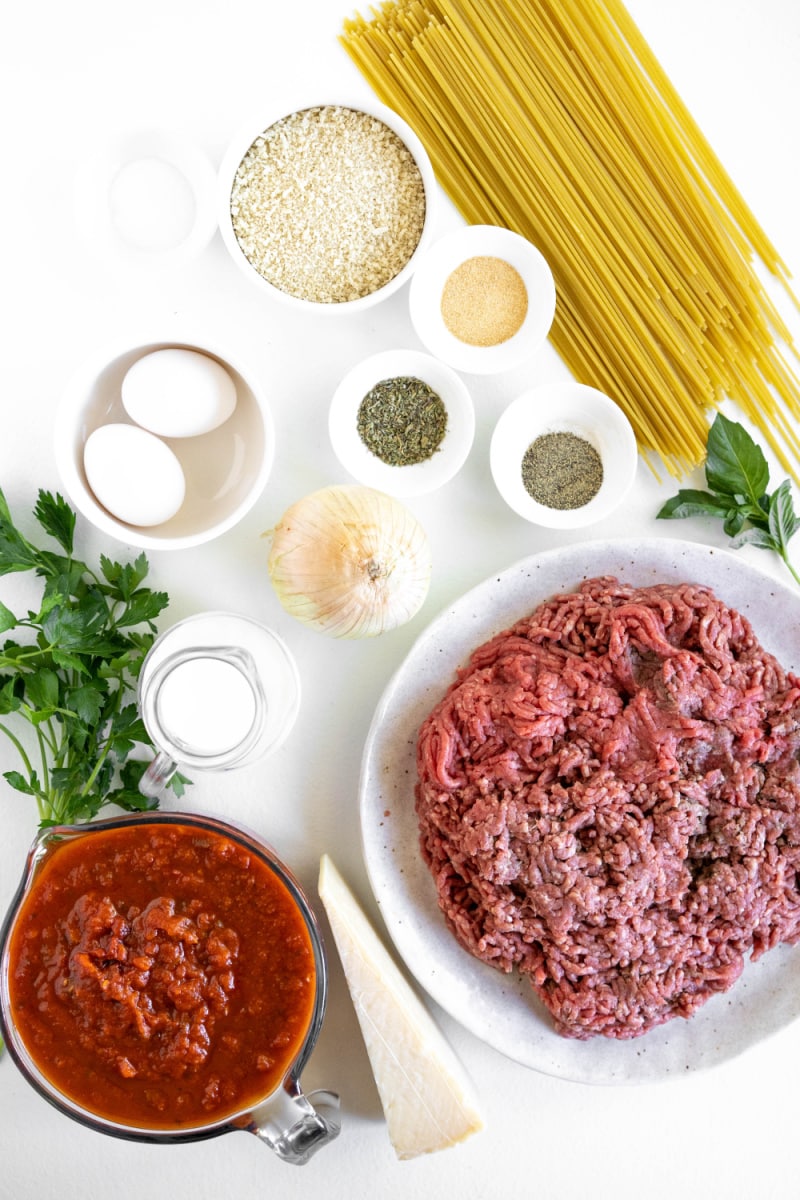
<point x="482" y="299"/>
<point x="327" y="206"/>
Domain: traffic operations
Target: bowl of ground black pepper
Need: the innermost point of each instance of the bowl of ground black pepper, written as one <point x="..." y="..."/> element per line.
<point x="482" y="299"/>
<point x="327" y="206"/>
<point x="402" y="421"/>
<point x="563" y="455"/>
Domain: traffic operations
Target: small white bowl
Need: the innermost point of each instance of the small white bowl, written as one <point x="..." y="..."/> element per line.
<point x="226" y="469"/>
<point x="558" y="408"/>
<point x="413" y="479"/>
<point x="236" y="152"/>
<point x="430" y="277"/>
<point x="147" y="200"/>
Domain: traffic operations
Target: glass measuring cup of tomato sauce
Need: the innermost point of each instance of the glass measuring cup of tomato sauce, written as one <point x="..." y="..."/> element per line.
<point x="163" y="979"/>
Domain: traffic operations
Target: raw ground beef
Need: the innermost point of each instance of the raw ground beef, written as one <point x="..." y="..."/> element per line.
<point x="609" y="801"/>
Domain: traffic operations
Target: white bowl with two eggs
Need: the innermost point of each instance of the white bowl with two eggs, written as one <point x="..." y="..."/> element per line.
<point x="165" y="444"/>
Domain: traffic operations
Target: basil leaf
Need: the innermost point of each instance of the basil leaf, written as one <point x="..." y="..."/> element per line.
<point x="755" y="537"/>
<point x="735" y="464"/>
<point x="783" y="524"/>
<point x="690" y="502"/>
<point x="734" y="522"/>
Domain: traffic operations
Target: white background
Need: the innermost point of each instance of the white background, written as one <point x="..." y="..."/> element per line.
<point x="72" y="76"/>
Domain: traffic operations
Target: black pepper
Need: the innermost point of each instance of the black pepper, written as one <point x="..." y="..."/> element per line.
<point x="402" y="421"/>
<point x="562" y="470"/>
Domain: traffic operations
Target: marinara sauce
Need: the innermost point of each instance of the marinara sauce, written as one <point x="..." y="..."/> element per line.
<point x="161" y="975"/>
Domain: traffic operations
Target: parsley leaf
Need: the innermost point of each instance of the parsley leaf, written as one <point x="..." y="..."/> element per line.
<point x="737" y="474"/>
<point x="56" y="518"/>
<point x="70" y="669"/>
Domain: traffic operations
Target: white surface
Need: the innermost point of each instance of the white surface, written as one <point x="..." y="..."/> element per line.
<point x="500" y="1008"/>
<point x="71" y="78"/>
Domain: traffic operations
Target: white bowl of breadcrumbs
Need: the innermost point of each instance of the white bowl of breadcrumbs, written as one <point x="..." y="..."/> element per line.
<point x="327" y="205"/>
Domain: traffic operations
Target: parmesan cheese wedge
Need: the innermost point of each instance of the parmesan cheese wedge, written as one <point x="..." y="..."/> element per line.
<point x="426" y="1095"/>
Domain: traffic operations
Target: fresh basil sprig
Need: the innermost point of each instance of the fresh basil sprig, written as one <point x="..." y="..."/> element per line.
<point x="71" y="673"/>
<point x="737" y="475"/>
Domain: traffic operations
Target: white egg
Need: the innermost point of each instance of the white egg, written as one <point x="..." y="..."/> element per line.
<point x="178" y="393"/>
<point x="133" y="474"/>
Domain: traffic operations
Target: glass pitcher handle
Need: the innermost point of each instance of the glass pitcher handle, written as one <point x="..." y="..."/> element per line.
<point x="294" y="1127"/>
<point x="157" y="776"/>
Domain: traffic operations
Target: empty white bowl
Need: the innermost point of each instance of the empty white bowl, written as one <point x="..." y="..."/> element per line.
<point x="413" y="479"/>
<point x="225" y="470"/>
<point x="248" y="136"/>
<point x="147" y="200"/>
<point x="564" y="408"/>
<point x="428" y="284"/>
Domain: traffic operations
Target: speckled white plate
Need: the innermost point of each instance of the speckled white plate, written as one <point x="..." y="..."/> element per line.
<point x="502" y="1009"/>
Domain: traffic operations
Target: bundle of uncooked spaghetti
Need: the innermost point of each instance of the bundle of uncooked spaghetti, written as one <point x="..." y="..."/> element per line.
<point x="556" y="120"/>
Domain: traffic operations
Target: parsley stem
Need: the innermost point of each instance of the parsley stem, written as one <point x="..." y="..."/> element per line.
<point x="20" y="748"/>
<point x="45" y="770"/>
<point x="28" y="767"/>
<point x="101" y="758"/>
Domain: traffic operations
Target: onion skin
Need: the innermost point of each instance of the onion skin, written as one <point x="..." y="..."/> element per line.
<point x="350" y="562"/>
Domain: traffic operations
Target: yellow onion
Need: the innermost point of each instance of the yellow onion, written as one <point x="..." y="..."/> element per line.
<point x="350" y="561"/>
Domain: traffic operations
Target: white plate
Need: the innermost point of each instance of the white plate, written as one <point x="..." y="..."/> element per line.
<point x="502" y="1009"/>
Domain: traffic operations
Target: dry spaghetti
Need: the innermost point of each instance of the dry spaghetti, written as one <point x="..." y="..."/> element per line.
<point x="557" y="121"/>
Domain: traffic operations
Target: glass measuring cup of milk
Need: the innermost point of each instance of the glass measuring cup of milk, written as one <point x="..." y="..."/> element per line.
<point x="217" y="690"/>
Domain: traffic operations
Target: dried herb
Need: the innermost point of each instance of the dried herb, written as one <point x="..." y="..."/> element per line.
<point x="69" y="676"/>
<point x="402" y="421"/>
<point x="562" y="470"/>
<point x="737" y="475"/>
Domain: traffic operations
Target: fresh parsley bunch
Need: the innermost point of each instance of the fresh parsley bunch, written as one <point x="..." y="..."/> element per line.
<point x="70" y="674"/>
<point x="737" y="475"/>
